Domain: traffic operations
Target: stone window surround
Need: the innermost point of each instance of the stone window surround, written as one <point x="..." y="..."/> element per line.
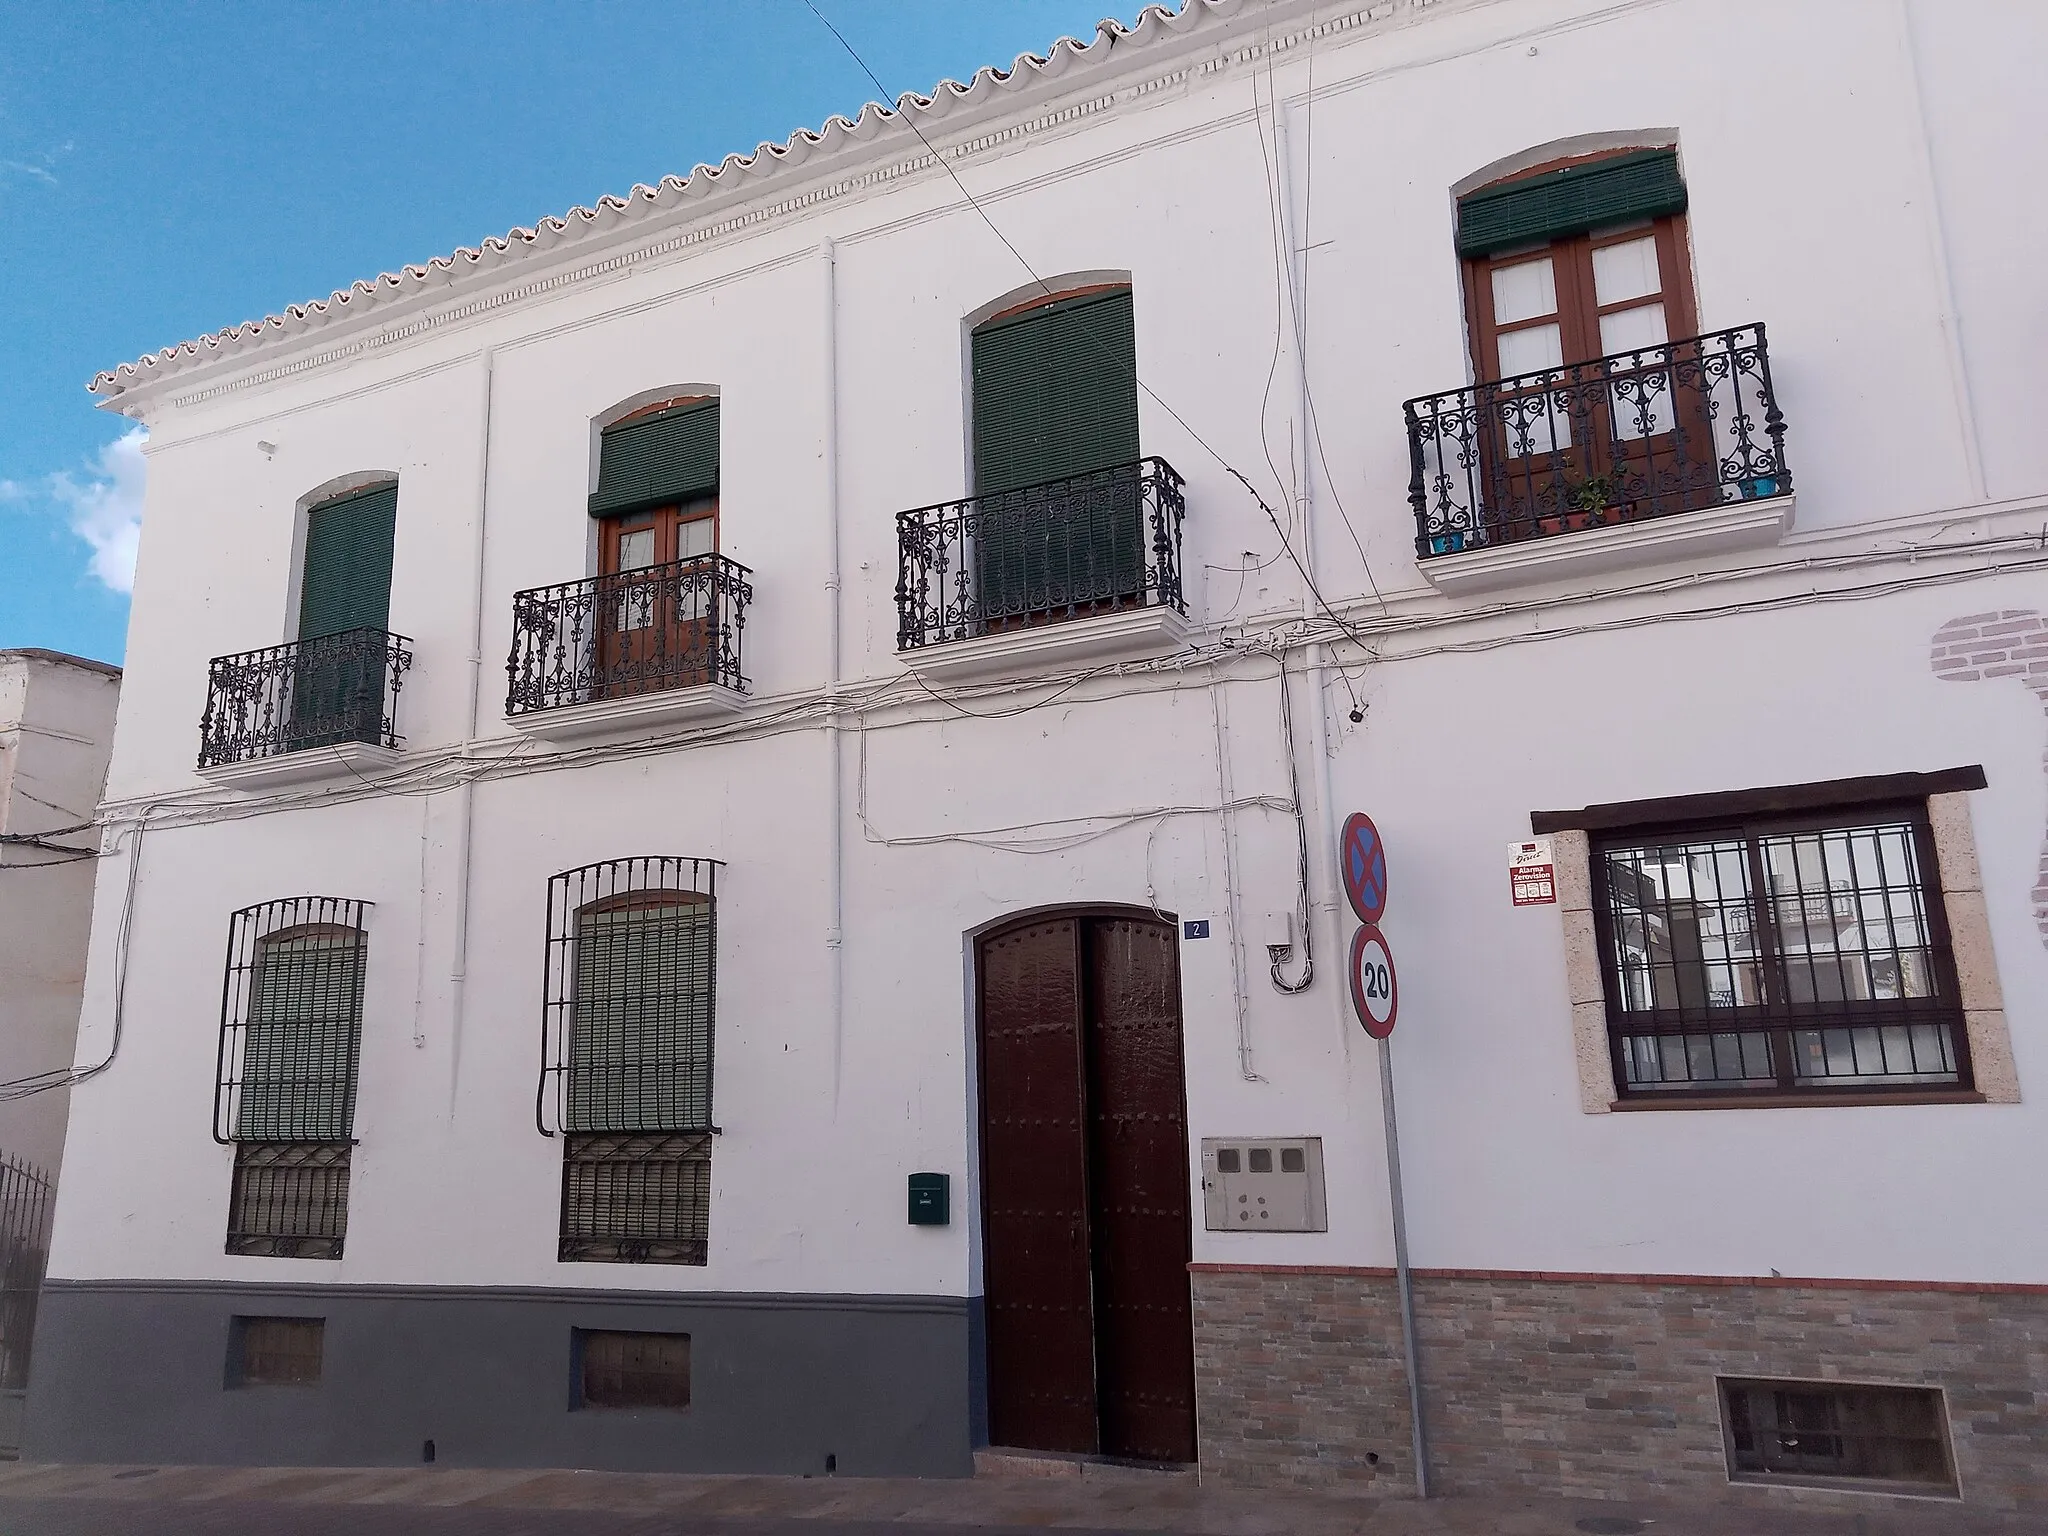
<point x="1962" y="893"/>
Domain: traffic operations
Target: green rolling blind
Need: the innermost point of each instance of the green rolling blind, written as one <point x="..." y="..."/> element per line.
<point x="303" y="1038"/>
<point x="668" y="457"/>
<point x="1570" y="202"/>
<point x="1055" y="392"/>
<point x="640" y="1026"/>
<point x="347" y="581"/>
<point x="1056" y="396"/>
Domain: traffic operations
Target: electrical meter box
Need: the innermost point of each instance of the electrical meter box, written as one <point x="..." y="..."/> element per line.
<point x="1264" y="1185"/>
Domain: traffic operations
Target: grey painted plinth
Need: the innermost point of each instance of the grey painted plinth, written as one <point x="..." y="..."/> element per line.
<point x="136" y="1371"/>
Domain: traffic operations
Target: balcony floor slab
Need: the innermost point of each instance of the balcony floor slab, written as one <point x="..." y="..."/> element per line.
<point x="1684" y="537"/>
<point x="634" y="712"/>
<point x="1132" y="635"/>
<point x="342" y="759"/>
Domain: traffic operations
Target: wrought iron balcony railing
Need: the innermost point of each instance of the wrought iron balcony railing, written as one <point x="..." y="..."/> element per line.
<point x="1673" y="428"/>
<point x="310" y="693"/>
<point x="1094" y="543"/>
<point x="661" y="627"/>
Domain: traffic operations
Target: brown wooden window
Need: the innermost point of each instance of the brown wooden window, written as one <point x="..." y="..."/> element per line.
<point x="1585" y="296"/>
<point x="276" y="1351"/>
<point x="1595" y="398"/>
<point x="657" y="511"/>
<point x="1824" y="1431"/>
<point x="1782" y="955"/>
<point x="632" y="1370"/>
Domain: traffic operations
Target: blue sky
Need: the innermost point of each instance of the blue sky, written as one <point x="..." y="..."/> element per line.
<point x="168" y="169"/>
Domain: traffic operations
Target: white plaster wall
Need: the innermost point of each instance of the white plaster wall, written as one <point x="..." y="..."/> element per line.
<point x="56" y="729"/>
<point x="1795" y="123"/>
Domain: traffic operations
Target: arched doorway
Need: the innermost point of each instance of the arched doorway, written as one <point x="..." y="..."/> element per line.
<point x="1084" y="1186"/>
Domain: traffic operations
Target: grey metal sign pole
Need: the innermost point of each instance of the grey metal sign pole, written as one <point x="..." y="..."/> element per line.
<point x="1404" y="1280"/>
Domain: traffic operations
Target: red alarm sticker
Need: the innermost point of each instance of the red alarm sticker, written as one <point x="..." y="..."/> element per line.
<point x="1375" y="991"/>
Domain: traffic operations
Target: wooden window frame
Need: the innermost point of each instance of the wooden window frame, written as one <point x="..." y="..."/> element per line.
<point x="1578" y="310"/>
<point x="1774" y="1017"/>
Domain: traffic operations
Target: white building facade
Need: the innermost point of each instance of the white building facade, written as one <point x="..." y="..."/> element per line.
<point x="955" y="573"/>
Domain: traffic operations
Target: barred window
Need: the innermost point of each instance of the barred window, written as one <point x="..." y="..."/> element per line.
<point x="627" y="1037"/>
<point x="1824" y="1431"/>
<point x="1805" y="956"/>
<point x="285" y="1094"/>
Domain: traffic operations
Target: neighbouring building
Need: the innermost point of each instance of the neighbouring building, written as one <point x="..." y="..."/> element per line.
<point x="723" y="840"/>
<point x="56" y="731"/>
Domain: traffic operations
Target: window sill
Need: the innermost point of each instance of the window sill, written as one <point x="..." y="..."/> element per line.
<point x="342" y="760"/>
<point x="1943" y="1493"/>
<point x="1680" y="538"/>
<point x="1128" y="635"/>
<point x="1796" y="1100"/>
<point x="637" y="711"/>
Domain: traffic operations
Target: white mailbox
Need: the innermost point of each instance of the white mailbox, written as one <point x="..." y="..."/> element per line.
<point x="1263" y="1184"/>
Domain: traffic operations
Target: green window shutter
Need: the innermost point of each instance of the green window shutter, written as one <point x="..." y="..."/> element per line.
<point x="1570" y="202"/>
<point x="1055" y="392"/>
<point x="303" y="1039"/>
<point x="671" y="456"/>
<point x="347" y="581"/>
<point x="640" y="1028"/>
<point x="1055" y="397"/>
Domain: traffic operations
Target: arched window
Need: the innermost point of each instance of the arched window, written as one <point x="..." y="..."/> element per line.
<point x="285" y="1093"/>
<point x="656" y="504"/>
<point x="627" y="1049"/>
<point x="1055" y="389"/>
<point x="345" y="578"/>
<point x="1574" y="260"/>
<point x="1061" y="525"/>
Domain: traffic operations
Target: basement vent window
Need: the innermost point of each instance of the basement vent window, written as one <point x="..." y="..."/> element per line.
<point x="1818" y="1432"/>
<point x="275" y="1351"/>
<point x="632" y="1370"/>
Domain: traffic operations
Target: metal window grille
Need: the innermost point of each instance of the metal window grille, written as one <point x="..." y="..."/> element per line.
<point x="1783" y="957"/>
<point x="636" y="1199"/>
<point x="289" y="1200"/>
<point x="291" y="1021"/>
<point x="277" y="1351"/>
<point x="24" y="1250"/>
<point x="633" y="1370"/>
<point x="1810" y="1430"/>
<point x="285" y="1089"/>
<point x="628" y="1014"/>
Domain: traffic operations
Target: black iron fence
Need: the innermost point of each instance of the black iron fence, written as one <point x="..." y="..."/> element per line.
<point x="24" y="1249"/>
<point x="677" y="625"/>
<point x="1093" y="543"/>
<point x="1672" y="428"/>
<point x="310" y="693"/>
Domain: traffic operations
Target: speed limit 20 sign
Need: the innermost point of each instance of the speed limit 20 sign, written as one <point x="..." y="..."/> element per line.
<point x="1375" y="991"/>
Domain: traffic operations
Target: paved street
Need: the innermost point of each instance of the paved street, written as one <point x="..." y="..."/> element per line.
<point x="225" y="1501"/>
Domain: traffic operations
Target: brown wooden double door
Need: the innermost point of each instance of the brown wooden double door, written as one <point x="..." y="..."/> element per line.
<point x="1085" y="1206"/>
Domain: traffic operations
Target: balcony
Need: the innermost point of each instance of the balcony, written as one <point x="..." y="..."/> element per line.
<point x="1673" y="452"/>
<point x="640" y="649"/>
<point x="310" y="709"/>
<point x="1074" y="571"/>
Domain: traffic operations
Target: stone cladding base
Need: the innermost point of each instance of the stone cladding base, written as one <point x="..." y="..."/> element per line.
<point x="1594" y="1386"/>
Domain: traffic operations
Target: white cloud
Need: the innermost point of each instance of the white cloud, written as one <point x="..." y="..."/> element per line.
<point x="105" y="508"/>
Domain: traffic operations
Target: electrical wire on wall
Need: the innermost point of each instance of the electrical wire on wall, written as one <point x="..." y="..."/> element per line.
<point x="69" y="1077"/>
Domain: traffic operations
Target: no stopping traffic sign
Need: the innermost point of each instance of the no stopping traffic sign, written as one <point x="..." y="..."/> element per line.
<point x="1375" y="991"/>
